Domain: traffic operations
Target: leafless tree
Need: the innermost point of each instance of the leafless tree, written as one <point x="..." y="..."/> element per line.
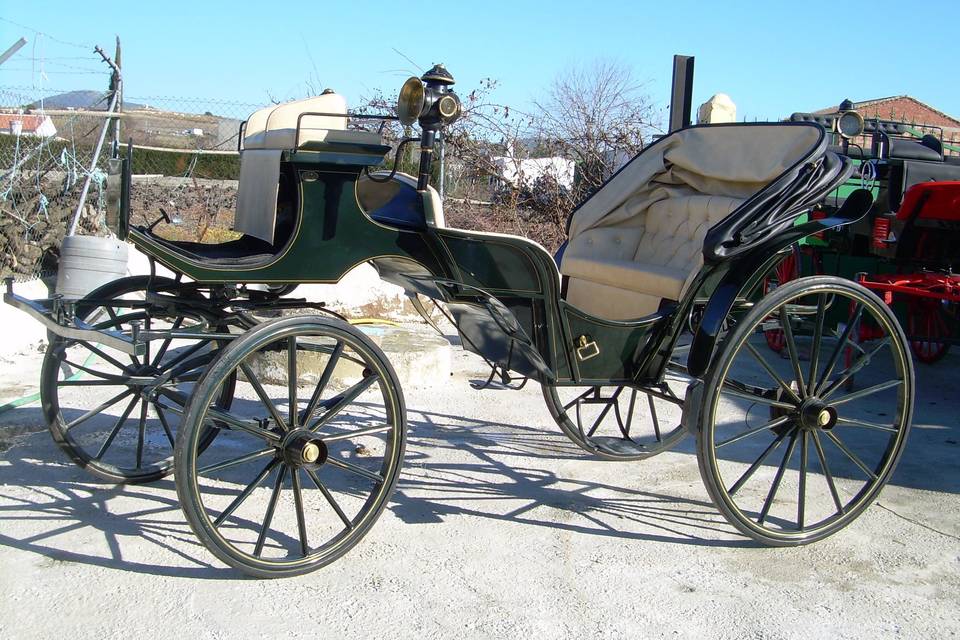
<point x="596" y="116"/>
<point x="599" y="115"/>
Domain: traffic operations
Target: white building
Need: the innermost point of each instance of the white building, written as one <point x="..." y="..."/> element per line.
<point x="525" y="173"/>
<point x="27" y="124"/>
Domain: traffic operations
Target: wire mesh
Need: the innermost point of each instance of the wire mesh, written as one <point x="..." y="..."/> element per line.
<point x="185" y="161"/>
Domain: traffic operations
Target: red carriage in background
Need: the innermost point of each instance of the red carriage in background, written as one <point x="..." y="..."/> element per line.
<point x="923" y="239"/>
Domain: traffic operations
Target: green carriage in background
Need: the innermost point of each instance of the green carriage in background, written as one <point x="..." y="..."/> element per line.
<point x="644" y="328"/>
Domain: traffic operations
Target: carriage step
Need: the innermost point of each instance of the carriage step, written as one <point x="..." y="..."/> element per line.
<point x="617" y="446"/>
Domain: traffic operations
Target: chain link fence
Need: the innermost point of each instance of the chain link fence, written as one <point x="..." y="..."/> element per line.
<point x="185" y="161"/>
<point x="46" y="154"/>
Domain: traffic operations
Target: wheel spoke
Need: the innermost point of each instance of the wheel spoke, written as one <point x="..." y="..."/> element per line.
<point x="162" y="351"/>
<point x="103" y="355"/>
<point x="292" y="381"/>
<point x="866" y="425"/>
<point x="653" y="414"/>
<point x="247" y="426"/>
<point x="746" y="434"/>
<point x="339" y="403"/>
<point x="802" y="489"/>
<point x="226" y="464"/>
<point x="792" y="349"/>
<point x="771" y="496"/>
<point x="116" y="427"/>
<point x="323" y="381"/>
<point x="756" y="464"/>
<point x="851" y="455"/>
<point x="579" y="398"/>
<point x="271" y="509"/>
<point x="298" y="505"/>
<point x="118" y="380"/>
<point x="360" y="471"/>
<point x="815" y="345"/>
<point x="163" y="422"/>
<point x="826" y="472"/>
<point x="599" y="420"/>
<point x="838" y="349"/>
<point x="141" y="432"/>
<point x="773" y="374"/>
<point x="186" y="353"/>
<point x="861" y="362"/>
<point x="329" y="496"/>
<point x="109" y="403"/>
<point x="262" y="394"/>
<point x="856" y="395"/>
<point x="246" y="492"/>
<point x="746" y="395"/>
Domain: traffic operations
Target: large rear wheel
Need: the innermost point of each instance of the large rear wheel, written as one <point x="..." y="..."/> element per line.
<point x="786" y="454"/>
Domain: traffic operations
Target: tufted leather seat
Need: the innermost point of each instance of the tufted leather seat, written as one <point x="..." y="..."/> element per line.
<point x="639" y="239"/>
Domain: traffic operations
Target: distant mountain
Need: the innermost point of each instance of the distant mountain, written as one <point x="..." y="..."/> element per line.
<point x="80" y="100"/>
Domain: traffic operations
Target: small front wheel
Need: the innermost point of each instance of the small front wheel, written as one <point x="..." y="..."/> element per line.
<point x="306" y="456"/>
<point x="617" y="422"/>
<point x="788" y="456"/>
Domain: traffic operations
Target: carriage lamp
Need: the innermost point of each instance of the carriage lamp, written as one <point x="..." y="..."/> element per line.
<point x="849" y="124"/>
<point x="429" y="99"/>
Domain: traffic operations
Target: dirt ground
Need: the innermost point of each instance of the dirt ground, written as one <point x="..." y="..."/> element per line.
<point x="499" y="528"/>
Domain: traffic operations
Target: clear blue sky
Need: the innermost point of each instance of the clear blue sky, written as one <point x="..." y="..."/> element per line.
<point x="772" y="58"/>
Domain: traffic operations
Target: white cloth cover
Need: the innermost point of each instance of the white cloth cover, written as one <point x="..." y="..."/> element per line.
<point x="268" y="133"/>
<point x="642" y="234"/>
<point x="257" y="193"/>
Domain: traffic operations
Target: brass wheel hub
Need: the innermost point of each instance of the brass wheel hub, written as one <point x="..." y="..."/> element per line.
<point x="817" y="414"/>
<point x="302" y="448"/>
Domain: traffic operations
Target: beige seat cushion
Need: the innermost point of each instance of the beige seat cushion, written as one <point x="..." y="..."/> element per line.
<point x="609" y="302"/>
<point x="637" y="277"/>
<point x="657" y="255"/>
<point x="276" y="127"/>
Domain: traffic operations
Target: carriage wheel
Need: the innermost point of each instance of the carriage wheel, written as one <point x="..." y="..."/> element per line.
<point x="928" y="329"/>
<point x="308" y="454"/>
<point x="616" y="422"/>
<point x="785" y="453"/>
<point x="787" y="270"/>
<point x="101" y="404"/>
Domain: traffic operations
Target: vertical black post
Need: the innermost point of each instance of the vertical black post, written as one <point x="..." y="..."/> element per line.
<point x="681" y="93"/>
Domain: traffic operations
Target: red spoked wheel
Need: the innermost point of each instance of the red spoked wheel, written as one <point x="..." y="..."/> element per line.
<point x="787" y="270"/>
<point x="928" y="329"/>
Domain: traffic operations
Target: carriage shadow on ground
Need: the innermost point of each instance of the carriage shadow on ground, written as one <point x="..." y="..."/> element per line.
<point x="53" y="508"/>
<point x="70" y="517"/>
<point x="456" y="467"/>
<point x="526" y="475"/>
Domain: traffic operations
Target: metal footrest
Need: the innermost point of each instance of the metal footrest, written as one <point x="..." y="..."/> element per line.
<point x="57" y="315"/>
<point x="617" y="446"/>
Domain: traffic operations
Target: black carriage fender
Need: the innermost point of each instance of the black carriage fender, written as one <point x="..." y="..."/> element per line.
<point x="692" y="404"/>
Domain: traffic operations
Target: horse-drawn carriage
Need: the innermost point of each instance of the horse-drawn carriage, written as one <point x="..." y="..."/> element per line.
<point x="287" y="432"/>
